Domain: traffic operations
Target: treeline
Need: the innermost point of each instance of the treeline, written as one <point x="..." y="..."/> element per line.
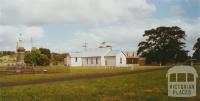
<point x="4" y="53"/>
<point x="43" y="57"/>
<point x="196" y="48"/>
<point x="166" y="45"/>
<point x="58" y="58"/>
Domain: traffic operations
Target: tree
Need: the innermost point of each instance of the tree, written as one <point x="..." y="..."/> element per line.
<point x="196" y="48"/>
<point x="5" y="53"/>
<point x="163" y="45"/>
<point x="34" y="57"/>
<point x="28" y="59"/>
<point x="43" y="60"/>
<point x="46" y="52"/>
<point x="58" y="58"/>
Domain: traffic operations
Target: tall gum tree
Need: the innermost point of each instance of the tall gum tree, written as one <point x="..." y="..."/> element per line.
<point x="163" y="45"/>
<point x="196" y="48"/>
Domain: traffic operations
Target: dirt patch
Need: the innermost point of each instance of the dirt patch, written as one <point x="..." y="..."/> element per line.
<point x="154" y="90"/>
<point x="111" y="98"/>
<point x="3" y="73"/>
<point x="129" y="94"/>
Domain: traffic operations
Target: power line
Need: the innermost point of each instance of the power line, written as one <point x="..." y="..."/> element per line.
<point x="85" y="45"/>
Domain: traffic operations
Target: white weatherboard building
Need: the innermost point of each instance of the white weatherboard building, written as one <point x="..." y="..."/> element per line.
<point x="97" y="57"/>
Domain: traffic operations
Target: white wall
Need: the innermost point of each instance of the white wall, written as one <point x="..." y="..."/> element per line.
<point x="110" y="61"/>
<point x="91" y="61"/>
<point x="67" y="61"/>
<point x="120" y="55"/>
<point x="102" y="61"/>
<point x="74" y="63"/>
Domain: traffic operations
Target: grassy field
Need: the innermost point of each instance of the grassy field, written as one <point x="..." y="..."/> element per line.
<point x="135" y="87"/>
<point x="5" y="60"/>
<point x="61" y="71"/>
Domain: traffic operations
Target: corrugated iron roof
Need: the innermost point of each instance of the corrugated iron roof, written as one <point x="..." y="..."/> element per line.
<point x="75" y="54"/>
<point x="91" y="52"/>
<point x="95" y="52"/>
<point x="113" y="53"/>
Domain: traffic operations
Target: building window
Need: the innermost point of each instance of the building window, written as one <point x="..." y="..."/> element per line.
<point x="76" y="59"/>
<point x="91" y="60"/>
<point x="87" y="60"/>
<point x="120" y="60"/>
<point x="96" y="60"/>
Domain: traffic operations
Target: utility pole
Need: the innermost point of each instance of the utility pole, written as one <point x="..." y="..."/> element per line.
<point x="85" y="45"/>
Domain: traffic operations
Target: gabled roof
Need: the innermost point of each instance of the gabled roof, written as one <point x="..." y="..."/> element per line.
<point x="131" y="54"/>
<point x="113" y="53"/>
<point x="92" y="52"/>
<point x="75" y="54"/>
<point x="95" y="52"/>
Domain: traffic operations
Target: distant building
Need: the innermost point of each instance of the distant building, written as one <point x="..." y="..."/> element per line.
<point x="103" y="57"/>
<point x="97" y="57"/>
<point x="132" y="59"/>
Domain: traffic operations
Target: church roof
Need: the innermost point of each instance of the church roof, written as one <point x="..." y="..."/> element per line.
<point x="113" y="53"/>
<point x="97" y="52"/>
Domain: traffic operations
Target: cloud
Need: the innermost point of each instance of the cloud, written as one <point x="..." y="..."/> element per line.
<point x="176" y="10"/>
<point x="127" y="36"/>
<point x="121" y="23"/>
<point x="38" y="12"/>
<point x="9" y="35"/>
<point x="29" y="16"/>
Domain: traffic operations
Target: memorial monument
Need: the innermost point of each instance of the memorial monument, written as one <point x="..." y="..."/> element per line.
<point x="20" y="64"/>
<point x="20" y="53"/>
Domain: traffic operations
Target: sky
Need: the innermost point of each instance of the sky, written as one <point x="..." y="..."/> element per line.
<point x="65" y="25"/>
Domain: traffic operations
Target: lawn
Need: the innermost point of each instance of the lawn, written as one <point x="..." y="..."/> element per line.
<point x="61" y="71"/>
<point x="135" y="87"/>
